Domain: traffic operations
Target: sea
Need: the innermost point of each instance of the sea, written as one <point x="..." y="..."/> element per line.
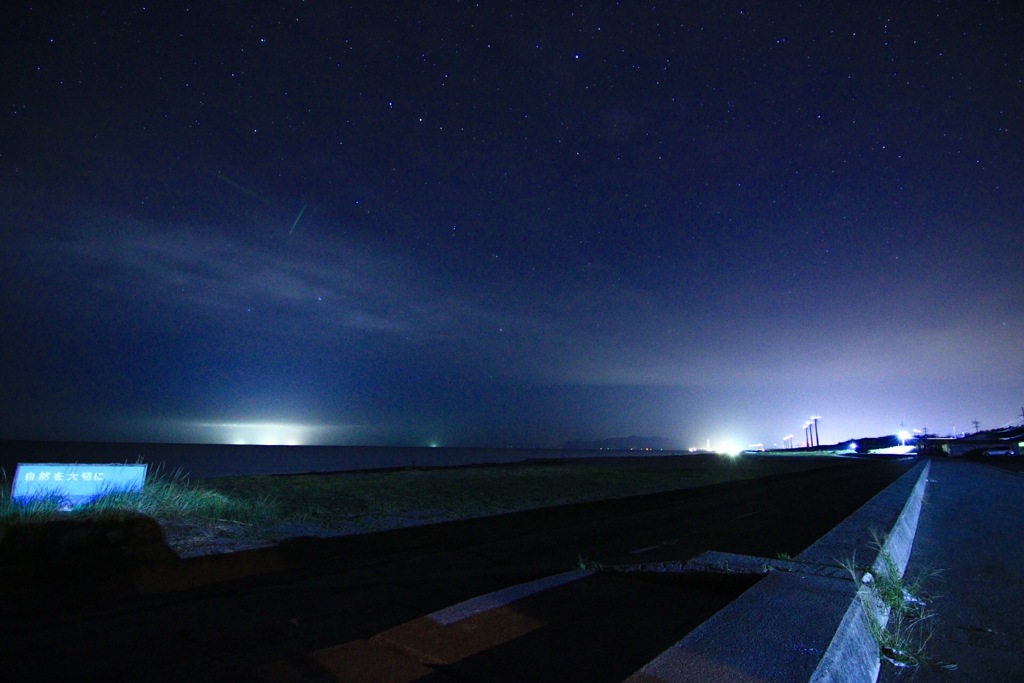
<point x="225" y="460"/>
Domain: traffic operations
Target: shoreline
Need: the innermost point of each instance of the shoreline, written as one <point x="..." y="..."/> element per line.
<point x="225" y="460"/>
<point x="357" y="502"/>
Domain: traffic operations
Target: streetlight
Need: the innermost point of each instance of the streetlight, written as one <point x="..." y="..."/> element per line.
<point x="815" y="419"/>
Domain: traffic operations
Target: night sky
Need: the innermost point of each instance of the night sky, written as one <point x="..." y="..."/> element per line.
<point x="491" y="224"/>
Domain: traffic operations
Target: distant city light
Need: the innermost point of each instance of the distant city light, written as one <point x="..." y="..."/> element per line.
<point x="263" y="433"/>
<point x="266" y="434"/>
<point x="729" y="448"/>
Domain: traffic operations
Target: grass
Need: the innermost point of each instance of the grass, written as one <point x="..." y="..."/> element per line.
<point x="195" y="513"/>
<point x="899" y="619"/>
<point x="170" y="499"/>
<point x="588" y="565"/>
<point x="383" y="499"/>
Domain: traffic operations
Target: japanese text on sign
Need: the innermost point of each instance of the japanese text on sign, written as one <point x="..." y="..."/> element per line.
<point x="75" y="483"/>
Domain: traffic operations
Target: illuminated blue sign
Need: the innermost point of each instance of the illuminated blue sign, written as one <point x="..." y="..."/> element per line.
<point x="77" y="483"/>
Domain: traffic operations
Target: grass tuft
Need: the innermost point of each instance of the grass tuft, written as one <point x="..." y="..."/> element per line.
<point x="588" y="565"/>
<point x="167" y="498"/>
<point x="899" y="619"/>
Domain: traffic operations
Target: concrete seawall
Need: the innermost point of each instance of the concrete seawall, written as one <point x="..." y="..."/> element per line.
<point x="806" y="619"/>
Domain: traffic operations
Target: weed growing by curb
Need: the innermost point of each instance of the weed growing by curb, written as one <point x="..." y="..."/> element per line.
<point x="588" y="565"/>
<point x="899" y="619"/>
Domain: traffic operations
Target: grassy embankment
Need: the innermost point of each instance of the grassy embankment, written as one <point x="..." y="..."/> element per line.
<point x="165" y="498"/>
<point x="271" y="507"/>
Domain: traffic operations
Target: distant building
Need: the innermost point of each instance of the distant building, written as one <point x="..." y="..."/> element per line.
<point x="997" y="442"/>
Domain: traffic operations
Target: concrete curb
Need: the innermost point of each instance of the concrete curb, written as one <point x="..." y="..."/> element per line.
<point x="853" y="653"/>
<point x="806" y="619"/>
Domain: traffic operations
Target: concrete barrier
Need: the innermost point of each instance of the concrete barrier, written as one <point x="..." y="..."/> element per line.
<point x="806" y="619"/>
<point x="853" y="653"/>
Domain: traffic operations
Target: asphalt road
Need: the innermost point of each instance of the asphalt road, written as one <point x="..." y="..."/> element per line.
<point x="327" y="592"/>
<point x="1010" y="464"/>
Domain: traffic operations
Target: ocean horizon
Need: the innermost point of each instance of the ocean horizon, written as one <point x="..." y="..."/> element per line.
<point x="223" y="460"/>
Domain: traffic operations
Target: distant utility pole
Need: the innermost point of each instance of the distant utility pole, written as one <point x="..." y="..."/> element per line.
<point x="977" y="426"/>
